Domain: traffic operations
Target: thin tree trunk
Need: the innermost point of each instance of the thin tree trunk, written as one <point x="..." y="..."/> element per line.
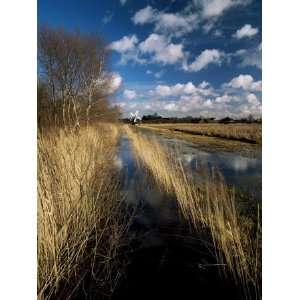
<point x="88" y="109"/>
<point x="77" y="124"/>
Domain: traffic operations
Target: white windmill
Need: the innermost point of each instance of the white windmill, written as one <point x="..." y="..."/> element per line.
<point x="135" y="117"/>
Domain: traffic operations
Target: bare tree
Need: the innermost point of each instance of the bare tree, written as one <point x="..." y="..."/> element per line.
<point x="73" y="66"/>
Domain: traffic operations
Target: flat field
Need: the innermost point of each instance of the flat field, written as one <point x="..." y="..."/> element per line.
<point x="242" y="137"/>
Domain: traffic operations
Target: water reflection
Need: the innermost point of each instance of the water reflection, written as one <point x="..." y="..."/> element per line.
<point x="226" y="161"/>
<point x="168" y="257"/>
<point x="141" y="190"/>
<point x="237" y="169"/>
<point x="243" y="164"/>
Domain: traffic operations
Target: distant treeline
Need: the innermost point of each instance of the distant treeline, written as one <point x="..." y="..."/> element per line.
<point x="73" y="83"/>
<point x="155" y="118"/>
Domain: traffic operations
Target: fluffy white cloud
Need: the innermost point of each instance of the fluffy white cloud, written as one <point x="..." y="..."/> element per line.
<point x="130" y="94"/>
<point x="245" y="82"/>
<point x="204" y="84"/>
<point x="123" y="2"/>
<point x="174" y="21"/>
<point x="238" y="98"/>
<point x="175" y="24"/>
<point x="252" y="99"/>
<point x="215" y="8"/>
<point x="245" y="110"/>
<point x="189" y="88"/>
<point x="187" y="20"/>
<point x="208" y="103"/>
<point x="246" y="31"/>
<point x="145" y="15"/>
<point x="196" y="105"/>
<point x="157" y="45"/>
<point x="250" y="57"/>
<point x="167" y="53"/>
<point x="170" y="55"/>
<point x="180" y="89"/>
<point x="208" y="56"/>
<point x="154" y="43"/>
<point x="126" y="43"/>
<point x="115" y="81"/>
<point x="163" y="90"/>
<point x="127" y="46"/>
<point x="227" y="98"/>
<point x="223" y="99"/>
<point x="171" y="106"/>
<point x="211" y="10"/>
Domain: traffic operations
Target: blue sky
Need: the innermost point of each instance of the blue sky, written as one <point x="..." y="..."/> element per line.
<point x="177" y="58"/>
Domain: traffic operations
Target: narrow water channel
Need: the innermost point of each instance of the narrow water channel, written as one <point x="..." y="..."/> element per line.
<point x="167" y="261"/>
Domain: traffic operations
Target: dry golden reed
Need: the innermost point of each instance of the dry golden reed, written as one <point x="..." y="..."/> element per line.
<point x="209" y="205"/>
<point x="243" y="132"/>
<point x="79" y="215"/>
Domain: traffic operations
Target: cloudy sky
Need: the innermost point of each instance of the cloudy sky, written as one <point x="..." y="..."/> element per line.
<point x="176" y="58"/>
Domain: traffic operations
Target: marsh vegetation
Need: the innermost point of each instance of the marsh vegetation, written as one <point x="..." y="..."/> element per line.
<point x="81" y="220"/>
<point x="97" y="212"/>
<point x="249" y="133"/>
<point x="208" y="207"/>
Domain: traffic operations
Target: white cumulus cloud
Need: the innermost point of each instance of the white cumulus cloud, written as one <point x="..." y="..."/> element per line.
<point x="129" y="94"/>
<point x="115" y="81"/>
<point x="215" y="8"/>
<point x="145" y="15"/>
<point x="127" y="46"/>
<point x="180" y="89"/>
<point x="211" y="10"/>
<point x="252" y="99"/>
<point x="126" y="43"/>
<point x="250" y="57"/>
<point x="245" y="82"/>
<point x="175" y="24"/>
<point x="167" y="53"/>
<point x="246" y="31"/>
<point x="208" y="56"/>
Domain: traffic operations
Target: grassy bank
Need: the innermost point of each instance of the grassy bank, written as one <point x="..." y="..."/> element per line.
<point x="80" y="220"/>
<point x="209" y="206"/>
<point x="234" y="133"/>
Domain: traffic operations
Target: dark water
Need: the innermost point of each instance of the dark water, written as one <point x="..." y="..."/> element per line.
<point x="238" y="169"/>
<point x="166" y="260"/>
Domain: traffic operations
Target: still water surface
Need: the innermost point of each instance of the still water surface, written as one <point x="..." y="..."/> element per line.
<point x="168" y="258"/>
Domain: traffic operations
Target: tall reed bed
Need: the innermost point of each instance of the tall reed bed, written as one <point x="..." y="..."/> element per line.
<point x="80" y="220"/>
<point x="207" y="206"/>
<point x="244" y="132"/>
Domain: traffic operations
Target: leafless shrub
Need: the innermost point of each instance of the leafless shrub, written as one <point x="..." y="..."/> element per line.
<point x="73" y="80"/>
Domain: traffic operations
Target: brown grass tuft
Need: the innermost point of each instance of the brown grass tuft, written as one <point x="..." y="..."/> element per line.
<point x="79" y="209"/>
